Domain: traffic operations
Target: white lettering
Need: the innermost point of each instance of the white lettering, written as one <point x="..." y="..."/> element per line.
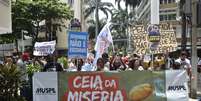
<point x="104" y="96"/>
<point x="85" y="82"/>
<point x="118" y="96"/>
<point x="75" y="82"/>
<point x="94" y="95"/>
<point x="73" y="97"/>
<point x="85" y="96"/>
<point x="109" y="83"/>
<point x="98" y="83"/>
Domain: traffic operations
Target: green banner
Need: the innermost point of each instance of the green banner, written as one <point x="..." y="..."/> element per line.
<point x="112" y="86"/>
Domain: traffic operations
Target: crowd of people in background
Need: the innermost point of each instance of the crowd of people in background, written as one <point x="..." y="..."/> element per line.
<point x="114" y="62"/>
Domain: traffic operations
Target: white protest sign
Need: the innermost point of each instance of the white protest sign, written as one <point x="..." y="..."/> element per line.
<point x="176" y="85"/>
<point x="45" y="86"/>
<point x="44" y="48"/>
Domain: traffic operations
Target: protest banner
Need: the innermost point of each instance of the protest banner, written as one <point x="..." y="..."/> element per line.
<point x="7" y="49"/>
<point x="77" y="44"/>
<point x="114" y="86"/>
<point x="44" y="48"/>
<point x="5" y="21"/>
<point x="45" y="86"/>
<point x="177" y="88"/>
<point x="141" y="43"/>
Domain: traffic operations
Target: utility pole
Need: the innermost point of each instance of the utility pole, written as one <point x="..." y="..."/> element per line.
<point x="194" y="58"/>
<point x="97" y="18"/>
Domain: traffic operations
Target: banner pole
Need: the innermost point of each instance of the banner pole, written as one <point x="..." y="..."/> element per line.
<point x="152" y="60"/>
<point x="77" y="63"/>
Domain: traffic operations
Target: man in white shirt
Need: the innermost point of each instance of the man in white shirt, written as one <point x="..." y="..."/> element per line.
<point x="88" y="66"/>
<point x="199" y="66"/>
<point x="184" y="62"/>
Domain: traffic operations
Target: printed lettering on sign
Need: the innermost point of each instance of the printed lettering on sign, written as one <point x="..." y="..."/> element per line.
<point x="168" y="42"/>
<point x="45" y="91"/>
<point x="94" y="87"/>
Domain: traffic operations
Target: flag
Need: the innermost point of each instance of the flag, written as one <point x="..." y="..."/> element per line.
<point x="104" y="36"/>
<point x="103" y="41"/>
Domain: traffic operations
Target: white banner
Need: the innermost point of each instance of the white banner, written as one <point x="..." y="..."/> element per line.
<point x="45" y="86"/>
<point x="5" y="17"/>
<point x="44" y="48"/>
<point x="7" y="49"/>
<point x="104" y="40"/>
<point x="176" y="85"/>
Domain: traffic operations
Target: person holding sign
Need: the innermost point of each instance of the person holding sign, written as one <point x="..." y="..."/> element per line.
<point x="88" y="65"/>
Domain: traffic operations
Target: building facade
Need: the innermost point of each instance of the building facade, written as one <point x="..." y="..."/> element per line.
<point x="62" y="36"/>
<point x="169" y="12"/>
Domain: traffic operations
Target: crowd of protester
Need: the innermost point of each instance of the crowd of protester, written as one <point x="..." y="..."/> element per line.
<point x="114" y="62"/>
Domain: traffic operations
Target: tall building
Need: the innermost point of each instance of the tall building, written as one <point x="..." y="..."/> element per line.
<point x="62" y="36"/>
<point x="169" y="11"/>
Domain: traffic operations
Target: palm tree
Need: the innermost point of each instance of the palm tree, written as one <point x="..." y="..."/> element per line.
<point x="132" y="3"/>
<point x="92" y="27"/>
<point x="121" y="20"/>
<point x="95" y="6"/>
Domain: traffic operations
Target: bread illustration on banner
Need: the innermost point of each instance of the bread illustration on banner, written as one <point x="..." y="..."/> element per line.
<point x="140" y="92"/>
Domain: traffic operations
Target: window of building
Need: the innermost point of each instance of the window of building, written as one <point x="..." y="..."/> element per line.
<point x="167" y="17"/>
<point x="165" y="1"/>
<point x="172" y="17"/>
<point x="161" y="17"/>
<point x="161" y="1"/>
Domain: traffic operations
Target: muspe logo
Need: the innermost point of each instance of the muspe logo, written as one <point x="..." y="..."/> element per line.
<point x="45" y="91"/>
<point x="177" y="88"/>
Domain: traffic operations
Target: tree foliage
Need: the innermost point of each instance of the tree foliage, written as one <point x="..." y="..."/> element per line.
<point x="28" y="14"/>
<point x="10" y="82"/>
<point x="121" y="20"/>
<point x="92" y="27"/>
<point x="95" y="6"/>
<point x="132" y="3"/>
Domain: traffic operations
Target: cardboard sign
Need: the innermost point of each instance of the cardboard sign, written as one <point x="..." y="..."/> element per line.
<point x="141" y="42"/>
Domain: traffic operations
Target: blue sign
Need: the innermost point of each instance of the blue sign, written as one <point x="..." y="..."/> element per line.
<point x="77" y="44"/>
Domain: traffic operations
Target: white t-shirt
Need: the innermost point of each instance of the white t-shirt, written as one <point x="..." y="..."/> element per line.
<point x="184" y="64"/>
<point x="88" y="67"/>
<point x="199" y="63"/>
